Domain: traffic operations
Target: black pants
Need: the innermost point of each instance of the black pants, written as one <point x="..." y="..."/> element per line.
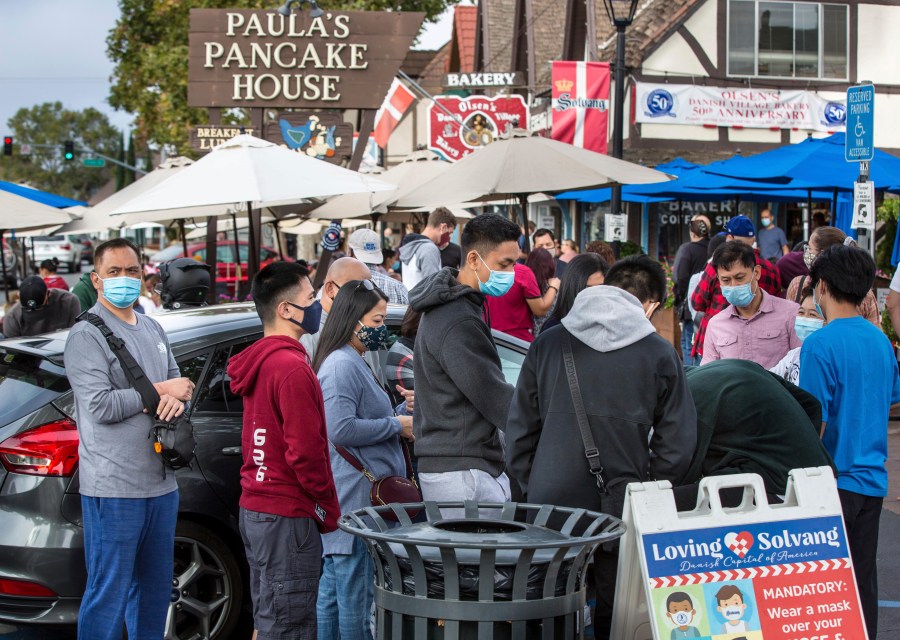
<point x="861" y="516"/>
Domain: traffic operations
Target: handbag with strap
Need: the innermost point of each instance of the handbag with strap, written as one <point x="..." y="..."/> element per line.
<point x="173" y="441"/>
<point x="389" y="489"/>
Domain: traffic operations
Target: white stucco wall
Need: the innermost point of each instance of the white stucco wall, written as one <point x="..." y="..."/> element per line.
<point x="877" y="57"/>
<point x="702" y="25"/>
<point x="674" y="56"/>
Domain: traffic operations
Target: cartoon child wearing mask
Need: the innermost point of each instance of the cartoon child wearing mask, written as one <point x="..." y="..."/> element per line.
<point x="680" y="610"/>
<point x="732" y="608"/>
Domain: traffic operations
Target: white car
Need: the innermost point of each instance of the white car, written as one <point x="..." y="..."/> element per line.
<point x="67" y="251"/>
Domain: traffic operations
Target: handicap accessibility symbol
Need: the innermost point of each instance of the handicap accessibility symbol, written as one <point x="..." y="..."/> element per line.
<point x="859" y="130"/>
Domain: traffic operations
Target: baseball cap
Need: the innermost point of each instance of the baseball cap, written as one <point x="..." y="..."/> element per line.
<point x="740" y="227"/>
<point x="32" y="293"/>
<point x="366" y="246"/>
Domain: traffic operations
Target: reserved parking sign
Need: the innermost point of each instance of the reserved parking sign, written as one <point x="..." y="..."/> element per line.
<point x="752" y="573"/>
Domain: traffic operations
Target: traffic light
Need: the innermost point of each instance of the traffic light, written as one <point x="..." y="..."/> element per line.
<point x="7" y="145"/>
<point x="68" y="150"/>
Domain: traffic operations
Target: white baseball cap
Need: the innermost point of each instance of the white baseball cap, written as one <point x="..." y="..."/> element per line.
<point x="366" y="245"/>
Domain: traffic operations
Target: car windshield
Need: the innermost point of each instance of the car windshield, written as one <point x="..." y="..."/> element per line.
<point x="27" y="383"/>
<point x="169" y="253"/>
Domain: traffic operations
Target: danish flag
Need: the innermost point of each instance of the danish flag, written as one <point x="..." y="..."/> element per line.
<point x="398" y="100"/>
<point x="581" y="104"/>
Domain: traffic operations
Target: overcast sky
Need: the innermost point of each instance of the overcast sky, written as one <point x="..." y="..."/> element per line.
<point x="56" y="50"/>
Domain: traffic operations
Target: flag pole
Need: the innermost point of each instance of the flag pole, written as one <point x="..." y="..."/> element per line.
<point x="425" y="94"/>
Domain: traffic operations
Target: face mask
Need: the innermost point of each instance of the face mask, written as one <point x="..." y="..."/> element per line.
<point x="498" y="283"/>
<point x="396" y="266"/>
<point x="445" y="238"/>
<point x="122" y="292"/>
<point x="373" y="338"/>
<point x="808" y="257"/>
<point x="312" y="317"/>
<point x="682" y="618"/>
<point x="816" y="302"/>
<point x="739" y="296"/>
<point x="765" y="222"/>
<point x="733" y="613"/>
<point x="805" y="326"/>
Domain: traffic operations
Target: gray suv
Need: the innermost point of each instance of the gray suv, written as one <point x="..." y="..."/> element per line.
<point x="42" y="573"/>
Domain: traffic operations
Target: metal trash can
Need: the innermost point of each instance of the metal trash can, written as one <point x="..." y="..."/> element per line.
<point x="519" y="574"/>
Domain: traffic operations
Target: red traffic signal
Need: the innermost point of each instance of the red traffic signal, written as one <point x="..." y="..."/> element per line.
<point x="7" y="145"/>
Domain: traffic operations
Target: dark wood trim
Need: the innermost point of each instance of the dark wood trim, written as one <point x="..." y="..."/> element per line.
<point x="692" y="42"/>
<point x="482" y="37"/>
<point x="529" y="42"/>
<point x="575" y="34"/>
<point x="723" y="134"/>
<point x="853" y="42"/>
<point x="785" y="136"/>
<point x="722" y="36"/>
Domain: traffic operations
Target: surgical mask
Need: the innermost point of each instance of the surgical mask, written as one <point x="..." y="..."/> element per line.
<point x="312" y="317"/>
<point x="816" y="302"/>
<point x="445" y="238"/>
<point x="682" y="618"/>
<point x="765" y="222"/>
<point x="498" y="283"/>
<point x="373" y="338"/>
<point x="805" y="326"/>
<point x="396" y="266"/>
<point x="122" y="291"/>
<point x="733" y="613"/>
<point x="739" y="296"/>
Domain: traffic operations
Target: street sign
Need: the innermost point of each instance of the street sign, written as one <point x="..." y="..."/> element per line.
<point x="860" y="138"/>
<point x="94" y="162"/>
<point x="616" y="227"/>
<point x="864" y="206"/>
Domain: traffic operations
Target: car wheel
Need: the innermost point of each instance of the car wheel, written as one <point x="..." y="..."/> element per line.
<point x="75" y="266"/>
<point x="207" y="588"/>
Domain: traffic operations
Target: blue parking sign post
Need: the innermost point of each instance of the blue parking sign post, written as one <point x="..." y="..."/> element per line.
<point x="859" y="146"/>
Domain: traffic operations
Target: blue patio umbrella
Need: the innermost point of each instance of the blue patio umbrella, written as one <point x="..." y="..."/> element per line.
<point x="631" y="193"/>
<point x="49" y="199"/>
<point x="816" y="163"/>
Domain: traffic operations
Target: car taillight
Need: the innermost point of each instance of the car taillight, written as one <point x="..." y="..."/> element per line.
<point x="65" y="247"/>
<point x="23" y="588"/>
<point x="48" y="450"/>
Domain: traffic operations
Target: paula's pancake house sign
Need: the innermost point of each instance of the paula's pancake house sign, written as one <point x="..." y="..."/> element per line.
<point x="340" y="60"/>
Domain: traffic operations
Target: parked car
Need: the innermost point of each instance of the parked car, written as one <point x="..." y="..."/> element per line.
<point x="42" y="571"/>
<point x="67" y="251"/>
<point x="87" y="248"/>
<point x="226" y="265"/>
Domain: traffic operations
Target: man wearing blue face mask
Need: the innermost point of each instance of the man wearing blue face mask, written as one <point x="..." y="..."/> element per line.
<point x="462" y="396"/>
<point x="129" y="501"/>
<point x="755" y="325"/>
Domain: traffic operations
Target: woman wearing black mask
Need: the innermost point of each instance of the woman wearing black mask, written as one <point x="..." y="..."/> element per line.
<point x="361" y="423"/>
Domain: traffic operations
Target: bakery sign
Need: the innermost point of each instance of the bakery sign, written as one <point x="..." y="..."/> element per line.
<point x="466" y="124"/>
<point x="339" y="60"/>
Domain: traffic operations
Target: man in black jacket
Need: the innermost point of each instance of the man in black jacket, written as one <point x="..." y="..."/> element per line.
<point x="690" y="259"/>
<point x="462" y="398"/>
<point x="632" y="383"/>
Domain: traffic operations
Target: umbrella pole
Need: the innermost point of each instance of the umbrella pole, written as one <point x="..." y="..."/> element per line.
<point x="834" y="207"/>
<point x="807" y="219"/>
<point x="278" y="238"/>
<point x="183" y="237"/>
<point x="255" y="240"/>
<point x="523" y="202"/>
<point x="3" y="259"/>
<point x="212" y="223"/>
<point x="235" y="249"/>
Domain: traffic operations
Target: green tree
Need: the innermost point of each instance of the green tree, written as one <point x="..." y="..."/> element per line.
<point x="52" y="124"/>
<point x="149" y="47"/>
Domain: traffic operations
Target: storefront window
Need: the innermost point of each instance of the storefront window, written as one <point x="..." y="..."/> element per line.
<point x="787" y="39"/>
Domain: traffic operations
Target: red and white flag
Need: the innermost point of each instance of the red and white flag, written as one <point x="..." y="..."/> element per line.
<point x="398" y="100"/>
<point x="581" y="104"/>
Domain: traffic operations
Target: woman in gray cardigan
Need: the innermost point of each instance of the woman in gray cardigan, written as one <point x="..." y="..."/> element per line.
<point x="360" y="418"/>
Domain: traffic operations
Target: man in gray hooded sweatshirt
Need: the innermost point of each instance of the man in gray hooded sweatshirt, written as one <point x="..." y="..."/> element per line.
<point x="634" y="392"/>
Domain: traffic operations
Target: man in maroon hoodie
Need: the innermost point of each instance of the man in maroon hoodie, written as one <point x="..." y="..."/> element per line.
<point x="288" y="497"/>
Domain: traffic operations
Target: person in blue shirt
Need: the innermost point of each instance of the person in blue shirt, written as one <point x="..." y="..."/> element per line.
<point x="849" y="366"/>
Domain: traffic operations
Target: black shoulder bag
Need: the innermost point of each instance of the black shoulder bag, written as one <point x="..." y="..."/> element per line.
<point x="173" y="441"/>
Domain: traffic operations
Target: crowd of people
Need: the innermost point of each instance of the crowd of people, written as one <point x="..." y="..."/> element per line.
<point x="319" y="427"/>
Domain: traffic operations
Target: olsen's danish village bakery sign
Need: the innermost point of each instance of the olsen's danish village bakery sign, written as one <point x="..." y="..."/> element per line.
<point x="340" y="60"/>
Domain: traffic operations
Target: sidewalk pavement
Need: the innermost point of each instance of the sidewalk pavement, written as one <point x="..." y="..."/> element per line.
<point x="892" y="501"/>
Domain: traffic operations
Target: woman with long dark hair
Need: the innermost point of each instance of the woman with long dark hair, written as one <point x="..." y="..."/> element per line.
<point x="363" y="425"/>
<point x="543" y="266"/>
<point x="584" y="270"/>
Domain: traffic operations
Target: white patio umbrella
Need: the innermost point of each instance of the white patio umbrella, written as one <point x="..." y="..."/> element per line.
<point x="199" y="230"/>
<point x="251" y="170"/>
<point x="523" y="164"/>
<point x="315" y="227"/>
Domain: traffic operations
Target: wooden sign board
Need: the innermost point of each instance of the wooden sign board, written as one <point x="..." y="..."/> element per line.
<point x="251" y="58"/>
<point x="323" y="135"/>
<point x="205" y="138"/>
<point x="752" y="572"/>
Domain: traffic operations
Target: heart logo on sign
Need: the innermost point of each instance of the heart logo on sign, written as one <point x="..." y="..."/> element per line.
<point x="739" y="543"/>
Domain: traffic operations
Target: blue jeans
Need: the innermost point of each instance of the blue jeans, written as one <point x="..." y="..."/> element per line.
<point x="687" y="339"/>
<point x="129" y="545"/>
<point x="346" y="593"/>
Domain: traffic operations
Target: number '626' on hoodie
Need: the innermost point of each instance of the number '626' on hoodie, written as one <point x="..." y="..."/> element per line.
<point x="286" y="470"/>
